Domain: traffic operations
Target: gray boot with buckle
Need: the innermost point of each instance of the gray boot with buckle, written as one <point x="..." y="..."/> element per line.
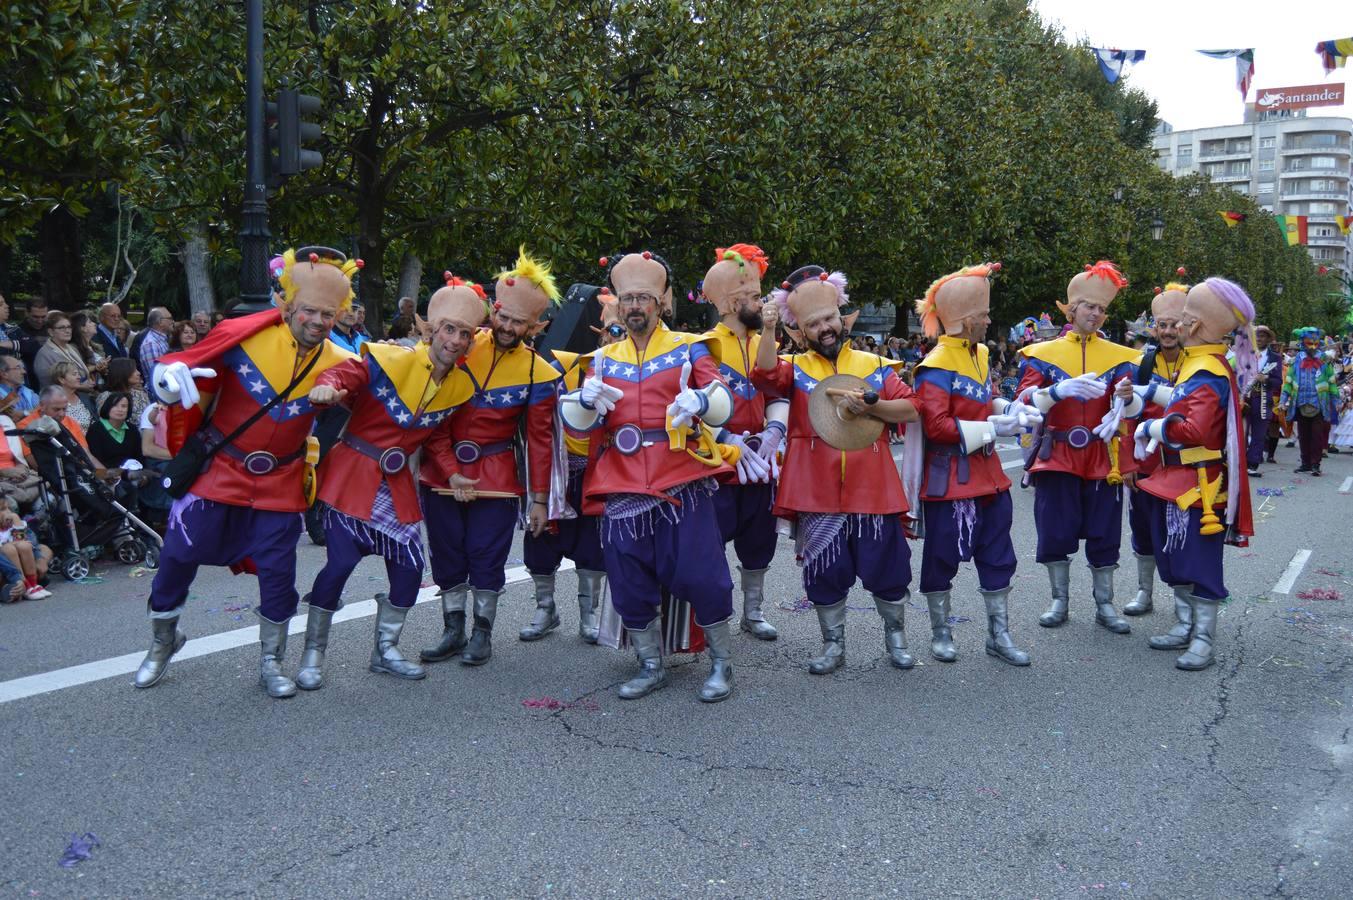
<point x="166" y="640"/>
<point x="832" y="621"/>
<point x="719" y="641"/>
<point x="453" y="620"/>
<point x="999" y="642"/>
<point x="1177" y="638"/>
<point x="317" y="622"/>
<point x="1199" y="655"/>
<point x="1146" y="583"/>
<point x="894" y="633"/>
<point x="480" y="648"/>
<point x="385" y="656"/>
<point x="941" y="635"/>
<point x="647" y="643"/>
<point x="547" y="616"/>
<point x="591" y="585"/>
<point x="753" y="594"/>
<point x="1059" y="577"/>
<point x="1105" y="614"/>
<point x="272" y="641"/>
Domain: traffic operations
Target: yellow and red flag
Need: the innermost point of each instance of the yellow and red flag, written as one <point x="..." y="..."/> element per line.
<point x="1294" y="228"/>
<point x="1344" y="223"/>
<point x="1232" y="219"/>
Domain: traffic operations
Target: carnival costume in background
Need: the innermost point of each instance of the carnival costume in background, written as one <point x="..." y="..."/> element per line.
<point x="1309" y="395"/>
<point x="511" y="411"/>
<point x="1261" y="403"/>
<point x="647" y="404"/>
<point x="847" y="506"/>
<point x="1202" y="464"/>
<point x="966" y="506"/>
<point x="244" y="510"/>
<point x="1076" y="464"/>
<point x="397" y="397"/>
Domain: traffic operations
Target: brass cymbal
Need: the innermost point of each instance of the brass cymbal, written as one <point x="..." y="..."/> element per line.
<point x="836" y="426"/>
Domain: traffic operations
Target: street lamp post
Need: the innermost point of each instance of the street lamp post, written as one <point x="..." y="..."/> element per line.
<point x="254" y="235"/>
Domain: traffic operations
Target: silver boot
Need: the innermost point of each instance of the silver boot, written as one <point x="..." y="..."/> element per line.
<point x="385" y="656"/>
<point x="894" y="634"/>
<point x="272" y="641"/>
<point x="547" y="616"/>
<point x="647" y="643"/>
<point x="719" y="640"/>
<point x="753" y="593"/>
<point x="1199" y="654"/>
<point x="1146" y="583"/>
<point x="1105" y="614"/>
<point x="941" y="635"/>
<point x="453" y="620"/>
<point x="311" y="674"/>
<point x="832" y="621"/>
<point x="591" y="585"/>
<point x="1177" y="638"/>
<point x="480" y="648"/>
<point x="1059" y="577"/>
<point x="999" y="642"/>
<point x="166" y="640"/>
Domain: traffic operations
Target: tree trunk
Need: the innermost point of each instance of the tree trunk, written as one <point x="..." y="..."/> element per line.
<point x="410" y="277"/>
<point x="197" y="269"/>
<point x="371" y="249"/>
<point x="63" y="271"/>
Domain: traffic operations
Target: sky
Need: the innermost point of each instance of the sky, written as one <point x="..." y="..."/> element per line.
<point x="1191" y="90"/>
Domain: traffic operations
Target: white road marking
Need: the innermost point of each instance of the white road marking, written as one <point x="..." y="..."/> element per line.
<point x="1284" y="585"/>
<point x="1347" y="485"/>
<point x="74" y="676"/>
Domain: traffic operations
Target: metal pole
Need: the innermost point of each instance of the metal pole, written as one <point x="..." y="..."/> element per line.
<point x="255" y="294"/>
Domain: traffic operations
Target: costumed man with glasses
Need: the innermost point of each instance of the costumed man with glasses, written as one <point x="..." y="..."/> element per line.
<point x="649" y="404"/>
<point x="398" y="396"/>
<point x="733" y="286"/>
<point x="1201" y="445"/>
<point x="967" y="508"/>
<point x="840" y="486"/>
<point x="1077" y="462"/>
<point x="242" y="510"/>
<point x="470" y="479"/>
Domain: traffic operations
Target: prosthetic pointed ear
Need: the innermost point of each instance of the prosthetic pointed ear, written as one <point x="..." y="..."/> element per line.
<point x="537" y="328"/>
<point x="595" y="330"/>
<point x="794" y="333"/>
<point x="849" y="320"/>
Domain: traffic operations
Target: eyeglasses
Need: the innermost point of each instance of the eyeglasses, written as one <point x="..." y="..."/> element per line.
<point x="65" y="327"/>
<point x="636" y="299"/>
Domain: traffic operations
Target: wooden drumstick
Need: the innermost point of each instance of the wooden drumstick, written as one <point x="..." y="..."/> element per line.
<point x="486" y="495"/>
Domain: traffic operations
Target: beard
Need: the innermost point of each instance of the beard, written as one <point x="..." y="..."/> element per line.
<point x="638" y="322"/>
<point x="832" y="350"/>
<point x="751" y="319"/>
<point x="506" y="340"/>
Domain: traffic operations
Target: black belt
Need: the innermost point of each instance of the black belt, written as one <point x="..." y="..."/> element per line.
<point x="390" y="459"/>
<point x="468" y="451"/>
<point x="259" y="462"/>
<point x="937" y="471"/>
<point x="1078" y="437"/>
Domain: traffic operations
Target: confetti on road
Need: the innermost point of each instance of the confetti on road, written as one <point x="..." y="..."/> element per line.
<point x="1327" y="571"/>
<point x="553" y="704"/>
<point x="79" y="849"/>
<point x="137" y="572"/>
<point x="1320" y="594"/>
<point x="803" y="604"/>
<point x="236" y="607"/>
<point x="1269" y="492"/>
<point x="958" y="620"/>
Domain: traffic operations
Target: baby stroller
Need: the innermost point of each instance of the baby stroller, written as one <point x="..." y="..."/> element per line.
<point x="82" y="514"/>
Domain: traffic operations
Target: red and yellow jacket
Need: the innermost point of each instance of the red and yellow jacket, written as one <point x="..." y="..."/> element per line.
<point x="816" y="477"/>
<point x="1165" y="373"/>
<point x="506" y="387"/>
<point x="254" y="357"/>
<point x="394" y="404"/>
<point x="953" y="384"/>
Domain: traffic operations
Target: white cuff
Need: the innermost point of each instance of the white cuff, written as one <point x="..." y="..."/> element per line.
<point x="575" y="415"/>
<point x="1044" y="400"/>
<point x="1133" y="408"/>
<point x="719" y="400"/>
<point x="163" y="388"/>
<point x="974" y="436"/>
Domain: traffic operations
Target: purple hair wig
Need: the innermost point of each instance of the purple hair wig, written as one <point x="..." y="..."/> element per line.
<point x="780" y="297"/>
<point x="1239" y="302"/>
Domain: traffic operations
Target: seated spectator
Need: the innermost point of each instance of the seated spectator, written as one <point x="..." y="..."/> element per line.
<point x="65" y="375"/>
<point x="202" y="323"/>
<point x="116" y="443"/>
<point x="183" y="336"/>
<point x="12" y="377"/>
<point x="84" y="328"/>
<point x="54" y="404"/>
<point x="155" y="500"/>
<point x="19" y="484"/>
<point x="124" y="333"/>
<point x="61" y="347"/>
<point x="12" y="587"/>
<point x="19" y="551"/>
<point x="124" y="377"/>
<point x="106" y="335"/>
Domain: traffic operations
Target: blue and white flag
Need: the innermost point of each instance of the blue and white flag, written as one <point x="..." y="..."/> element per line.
<point x="1113" y="62"/>
<point x="1244" y="65"/>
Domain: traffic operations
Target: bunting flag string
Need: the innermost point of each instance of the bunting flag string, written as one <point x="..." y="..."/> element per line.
<point x="1294" y="228"/>
<point x="1244" y="66"/>
<point x="1112" y="61"/>
<point x="1333" y="54"/>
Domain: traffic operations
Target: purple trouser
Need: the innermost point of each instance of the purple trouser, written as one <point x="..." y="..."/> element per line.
<point x="345" y="551"/>
<point x="959" y="530"/>
<point x="1256" y="424"/>
<point x="1069" y="509"/>
<point x="577" y="539"/>
<point x="468" y="542"/>
<point x="1311" y="439"/>
<point x="1188" y="556"/>
<point x="1141" y="510"/>
<point x="745" y="519"/>
<point x="878" y="556"/>
<point x="658" y="551"/>
<point x="208" y="533"/>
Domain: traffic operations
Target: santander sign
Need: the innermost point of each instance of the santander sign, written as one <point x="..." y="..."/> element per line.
<point x="1299" y="97"/>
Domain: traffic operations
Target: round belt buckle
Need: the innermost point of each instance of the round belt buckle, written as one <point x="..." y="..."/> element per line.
<point x="753" y="442"/>
<point x="393" y="460"/>
<point x="628" y="439"/>
<point x="260" y="462"/>
<point x="1079" y="437"/>
<point x="467" y="451"/>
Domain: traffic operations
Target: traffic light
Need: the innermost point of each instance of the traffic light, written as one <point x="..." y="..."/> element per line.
<point x="289" y="132"/>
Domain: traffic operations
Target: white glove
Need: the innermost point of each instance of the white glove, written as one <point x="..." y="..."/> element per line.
<point x="689" y="404"/>
<point x="1108" y="426"/>
<point x="1082" y="387"/>
<point x="1006" y="425"/>
<point x="599" y="395"/>
<point x="174" y="383"/>
<point x="751" y="467"/>
<point x="1143" y="443"/>
<point x="1015" y="418"/>
<point x="771" y="440"/>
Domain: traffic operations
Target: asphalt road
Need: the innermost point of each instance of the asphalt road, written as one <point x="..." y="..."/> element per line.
<point x="1099" y="770"/>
